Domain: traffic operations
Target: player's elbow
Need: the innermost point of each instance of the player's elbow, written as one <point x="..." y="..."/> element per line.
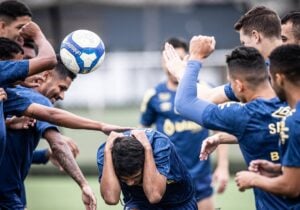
<point x="179" y="106"/>
<point x="293" y="192"/>
<point x="110" y="198"/>
<point x="111" y="201"/>
<point x="155" y="197"/>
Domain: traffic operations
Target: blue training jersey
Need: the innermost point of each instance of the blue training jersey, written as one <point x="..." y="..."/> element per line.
<point x="19" y="151"/>
<point x="290" y="144"/>
<point x="10" y="71"/>
<point x="256" y="125"/>
<point x="187" y="136"/>
<point x="179" y="184"/>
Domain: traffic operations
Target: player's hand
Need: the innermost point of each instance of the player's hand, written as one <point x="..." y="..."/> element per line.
<point x="221" y="178"/>
<point x="88" y="198"/>
<point x="201" y="47"/>
<point x="110" y="140"/>
<point x="265" y="168"/>
<point x="33" y="81"/>
<point x="208" y="146"/>
<point x="140" y="135"/>
<point x="108" y="128"/>
<point x="31" y="31"/>
<point x="174" y="63"/>
<point x="3" y="95"/>
<point x="244" y="180"/>
<point x="20" y="122"/>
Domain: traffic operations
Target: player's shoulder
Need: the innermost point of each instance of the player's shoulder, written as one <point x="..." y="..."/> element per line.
<point x="231" y="105"/>
<point x="33" y="95"/>
<point x="100" y="153"/>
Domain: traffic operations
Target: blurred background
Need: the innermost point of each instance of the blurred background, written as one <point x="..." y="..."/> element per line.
<point x="133" y="32"/>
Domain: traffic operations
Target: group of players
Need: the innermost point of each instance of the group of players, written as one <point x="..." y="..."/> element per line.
<point x="161" y="169"/>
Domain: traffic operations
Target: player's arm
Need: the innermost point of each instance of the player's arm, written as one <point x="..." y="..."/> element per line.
<point x="286" y="184"/>
<point x="154" y="183"/>
<point x="110" y="188"/>
<point x="65" y="158"/>
<point x="176" y="66"/>
<point x="46" y="58"/>
<point x="66" y="119"/>
<point x="221" y="173"/>
<point x="186" y="101"/>
<point x="211" y="143"/>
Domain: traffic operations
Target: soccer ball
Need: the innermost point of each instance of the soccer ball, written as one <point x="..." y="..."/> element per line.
<point x="82" y="51"/>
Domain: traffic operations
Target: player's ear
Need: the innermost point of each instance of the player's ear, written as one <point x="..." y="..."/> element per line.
<point x="279" y="79"/>
<point x="2" y="26"/>
<point x="256" y="35"/>
<point x="239" y="85"/>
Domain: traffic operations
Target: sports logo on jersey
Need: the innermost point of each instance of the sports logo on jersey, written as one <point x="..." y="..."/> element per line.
<point x="282" y="112"/>
<point x="166" y="106"/>
<point x="164" y="96"/>
<point x="170" y="127"/>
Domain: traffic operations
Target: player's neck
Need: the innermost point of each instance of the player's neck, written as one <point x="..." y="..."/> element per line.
<point x="171" y="85"/>
<point x="292" y="96"/>
<point x="269" y="45"/>
<point x="265" y="91"/>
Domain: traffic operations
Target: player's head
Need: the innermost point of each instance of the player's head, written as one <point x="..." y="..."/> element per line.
<point x="258" y="24"/>
<point x="128" y="159"/>
<point x="56" y="82"/>
<point x="285" y="69"/>
<point x="13" y="15"/>
<point x="10" y="50"/>
<point x="30" y="49"/>
<point x="247" y="71"/>
<point x="181" y="48"/>
<point x="290" y="28"/>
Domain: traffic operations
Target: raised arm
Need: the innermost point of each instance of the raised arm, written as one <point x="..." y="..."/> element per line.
<point x="46" y="58"/>
<point x="154" y="183"/>
<point x="64" y="156"/>
<point x="186" y="101"/>
<point x="110" y="188"/>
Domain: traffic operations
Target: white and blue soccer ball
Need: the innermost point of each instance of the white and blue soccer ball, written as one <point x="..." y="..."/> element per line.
<point x="82" y="51"/>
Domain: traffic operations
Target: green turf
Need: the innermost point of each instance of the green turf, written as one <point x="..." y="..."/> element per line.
<point x="61" y="193"/>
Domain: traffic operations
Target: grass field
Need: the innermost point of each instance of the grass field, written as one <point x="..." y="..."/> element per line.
<point x="61" y="193"/>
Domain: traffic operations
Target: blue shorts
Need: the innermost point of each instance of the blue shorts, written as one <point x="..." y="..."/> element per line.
<point x="139" y="205"/>
<point x="203" y="188"/>
<point x="11" y="200"/>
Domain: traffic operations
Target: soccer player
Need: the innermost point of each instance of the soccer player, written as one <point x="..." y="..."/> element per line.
<point x="290" y="28"/>
<point x="158" y="108"/>
<point x="284" y="180"/>
<point x="252" y="122"/>
<point x="144" y="165"/>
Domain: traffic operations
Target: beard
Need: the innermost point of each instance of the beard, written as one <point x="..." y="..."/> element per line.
<point x="280" y="93"/>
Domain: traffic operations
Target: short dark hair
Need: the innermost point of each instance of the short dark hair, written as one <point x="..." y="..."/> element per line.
<point x="285" y="59"/>
<point x="248" y="63"/>
<point x="9" y="48"/>
<point x="128" y="156"/>
<point x="261" y="19"/>
<point x="10" y="10"/>
<point x="178" y="43"/>
<point x="62" y="70"/>
<point x="294" y="18"/>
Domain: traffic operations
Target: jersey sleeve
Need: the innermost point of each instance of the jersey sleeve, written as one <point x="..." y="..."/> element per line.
<point x="15" y="104"/>
<point x="291" y="158"/>
<point x="229" y="92"/>
<point x="230" y="117"/>
<point x="12" y="71"/>
<point x="161" y="153"/>
<point x="100" y="160"/>
<point x="40" y="156"/>
<point x="148" y="114"/>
